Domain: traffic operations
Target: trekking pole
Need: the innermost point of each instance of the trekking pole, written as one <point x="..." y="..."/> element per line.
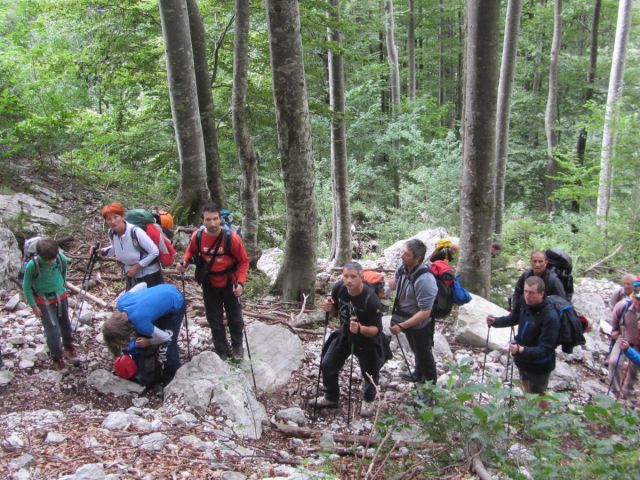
<point x="93" y="257"/>
<point x="624" y="380"/>
<point x="186" y="319"/>
<point x="486" y="350"/>
<point x="326" y="323"/>
<point x="352" y="313"/>
<point x="246" y="341"/>
<point x="402" y="351"/>
<point x="253" y="375"/>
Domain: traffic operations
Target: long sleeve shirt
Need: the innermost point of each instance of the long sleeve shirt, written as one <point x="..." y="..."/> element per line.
<point x="48" y="284"/>
<point x="123" y="248"/>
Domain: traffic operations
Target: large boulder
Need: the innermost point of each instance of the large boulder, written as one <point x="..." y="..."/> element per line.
<point x="209" y="381"/>
<point x="10" y="257"/>
<point x="38" y="215"/>
<point x="471" y="325"/>
<point x="391" y="255"/>
<point x="270" y="261"/>
<point x="275" y="354"/>
<point x="589" y="299"/>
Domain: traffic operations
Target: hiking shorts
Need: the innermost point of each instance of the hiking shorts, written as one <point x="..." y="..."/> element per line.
<point x="538" y="382"/>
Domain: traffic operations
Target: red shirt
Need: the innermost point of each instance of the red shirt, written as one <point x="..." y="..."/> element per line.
<point x="224" y="260"/>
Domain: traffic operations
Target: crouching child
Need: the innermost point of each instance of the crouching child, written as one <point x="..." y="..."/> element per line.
<point x="44" y="289"/>
<point x="145" y="329"/>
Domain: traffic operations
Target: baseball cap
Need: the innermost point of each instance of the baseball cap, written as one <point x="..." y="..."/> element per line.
<point x="125" y="366"/>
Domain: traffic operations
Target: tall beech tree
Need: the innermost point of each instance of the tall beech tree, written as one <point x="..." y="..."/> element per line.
<point x="242" y="135"/>
<point x="341" y="227"/>
<point x="205" y="103"/>
<point x="297" y="275"/>
<point x="192" y="184"/>
<point x="394" y="76"/>
<point x="551" y="112"/>
<point x="505" y="88"/>
<point x="616" y="86"/>
<point x="477" y="186"/>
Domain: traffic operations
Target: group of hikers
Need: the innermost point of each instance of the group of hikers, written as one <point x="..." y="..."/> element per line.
<point x="143" y="332"/>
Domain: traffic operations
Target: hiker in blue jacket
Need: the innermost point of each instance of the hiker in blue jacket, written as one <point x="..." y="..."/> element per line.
<point x="153" y="316"/>
<point x="534" y="348"/>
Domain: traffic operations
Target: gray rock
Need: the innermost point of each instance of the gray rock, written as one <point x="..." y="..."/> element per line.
<point x="276" y="353"/>
<point x="154" y="441"/>
<point x="10" y="256"/>
<point x="117" y="421"/>
<point x="5" y="377"/>
<point x="90" y="471"/>
<point x="207" y="380"/>
<point x="53" y="437"/>
<point x="23" y="461"/>
<point x="106" y="382"/>
<point x="391" y="255"/>
<point x="13" y="302"/>
<point x="441" y="348"/>
<point x="471" y="327"/>
<point x="232" y="476"/>
<point x="327" y="443"/>
<point x="564" y="378"/>
<point x="270" y="261"/>
<point x="292" y="414"/>
<point x="40" y="215"/>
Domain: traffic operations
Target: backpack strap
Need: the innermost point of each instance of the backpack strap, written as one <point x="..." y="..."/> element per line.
<point x="627" y="306"/>
<point x="405" y="279"/>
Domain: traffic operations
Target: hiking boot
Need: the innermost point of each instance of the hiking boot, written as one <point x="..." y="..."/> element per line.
<point x="238" y="353"/>
<point x="368" y="409"/>
<point x="323" y="402"/>
<point x="58" y="363"/>
<point x="71" y="355"/>
<point x="410" y="376"/>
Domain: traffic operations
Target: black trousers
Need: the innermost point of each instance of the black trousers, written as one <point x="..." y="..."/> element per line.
<point x="218" y="301"/>
<point x="336" y="356"/>
<point x="421" y="343"/>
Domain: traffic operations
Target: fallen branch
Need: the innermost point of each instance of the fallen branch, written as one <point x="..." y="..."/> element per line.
<point x="597" y="264"/>
<point x="88" y="296"/>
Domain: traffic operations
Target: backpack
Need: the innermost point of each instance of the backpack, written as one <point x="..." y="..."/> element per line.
<point x="572" y="326"/>
<point x="145" y="220"/>
<point x="29" y="252"/>
<point x="460" y="294"/>
<point x="165" y="220"/>
<point x="227" y="221"/>
<point x="444" y="275"/>
<point x="561" y="264"/>
<point x="375" y="280"/>
<point x="149" y="367"/>
<point x="202" y="268"/>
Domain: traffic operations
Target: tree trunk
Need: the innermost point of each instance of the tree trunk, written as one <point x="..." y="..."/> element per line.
<point x="297" y="274"/>
<point x="616" y="85"/>
<point x="411" y="50"/>
<point x="339" y="174"/>
<point x="505" y="88"/>
<point x="477" y="188"/>
<point x="242" y="136"/>
<point x="591" y="77"/>
<point x="552" y="106"/>
<point x="205" y="103"/>
<point x="192" y="187"/>
<point x="394" y="68"/>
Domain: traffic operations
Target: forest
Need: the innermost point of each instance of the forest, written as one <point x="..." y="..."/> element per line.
<point x="313" y="119"/>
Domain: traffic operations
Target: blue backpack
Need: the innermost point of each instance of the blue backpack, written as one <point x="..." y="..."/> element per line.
<point x="460" y="294"/>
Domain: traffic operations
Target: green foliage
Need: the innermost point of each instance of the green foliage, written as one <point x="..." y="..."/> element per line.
<point x="565" y="441"/>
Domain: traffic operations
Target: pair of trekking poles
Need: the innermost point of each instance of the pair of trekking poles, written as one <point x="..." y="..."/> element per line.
<point x="77" y="309"/>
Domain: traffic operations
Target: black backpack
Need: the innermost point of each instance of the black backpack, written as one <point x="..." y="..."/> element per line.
<point x="571" y="326"/>
<point x="149" y="366"/>
<point x="443" y="302"/>
<point x="560" y="263"/>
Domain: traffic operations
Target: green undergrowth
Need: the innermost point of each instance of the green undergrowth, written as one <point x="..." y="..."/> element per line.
<point x="568" y="440"/>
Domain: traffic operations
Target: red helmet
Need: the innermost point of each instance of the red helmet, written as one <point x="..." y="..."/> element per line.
<point x="125" y="366"/>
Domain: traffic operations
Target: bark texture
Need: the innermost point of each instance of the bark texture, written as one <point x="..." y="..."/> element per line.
<point x="505" y="88"/>
<point x="242" y="134"/>
<point x="339" y="172"/>
<point x="192" y="188"/>
<point x="215" y="182"/>
<point x="297" y="274"/>
<point x="550" y="115"/>
<point x="477" y="189"/>
<point x="614" y="94"/>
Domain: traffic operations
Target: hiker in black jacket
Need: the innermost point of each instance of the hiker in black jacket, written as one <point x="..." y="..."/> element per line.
<point x="534" y="349"/>
<point x="552" y="284"/>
